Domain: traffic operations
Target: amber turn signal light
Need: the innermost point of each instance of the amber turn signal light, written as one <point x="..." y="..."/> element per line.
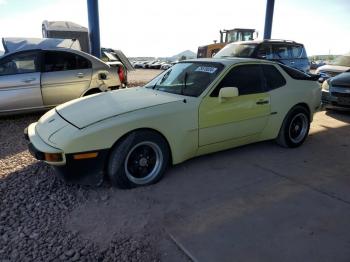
<point x="53" y="157"/>
<point x="85" y="156"/>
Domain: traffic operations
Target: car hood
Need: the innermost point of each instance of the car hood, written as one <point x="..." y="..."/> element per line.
<point x="341" y="80"/>
<point x="88" y="110"/>
<point x="334" y="68"/>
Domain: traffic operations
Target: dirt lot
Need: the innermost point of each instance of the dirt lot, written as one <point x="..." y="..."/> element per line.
<point x="142" y="76"/>
<point x="255" y="203"/>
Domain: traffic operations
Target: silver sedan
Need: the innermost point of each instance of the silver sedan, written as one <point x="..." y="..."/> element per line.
<point x="40" y="79"/>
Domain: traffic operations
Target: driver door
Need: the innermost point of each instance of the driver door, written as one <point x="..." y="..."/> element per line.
<point x="237" y="117"/>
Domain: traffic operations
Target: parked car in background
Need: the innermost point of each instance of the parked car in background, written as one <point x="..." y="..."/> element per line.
<point x="150" y="63"/>
<point x="38" y="79"/>
<point x="140" y="64"/>
<point x="157" y="65"/>
<point x="340" y="65"/>
<point x="168" y="65"/>
<point x="196" y="107"/>
<point x="286" y="52"/>
<point x="336" y="92"/>
<point x="313" y="65"/>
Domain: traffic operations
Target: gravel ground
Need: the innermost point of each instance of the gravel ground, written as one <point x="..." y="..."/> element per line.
<point x="34" y="204"/>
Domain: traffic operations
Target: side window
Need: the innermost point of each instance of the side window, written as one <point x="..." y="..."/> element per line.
<point x="247" y="78"/>
<point x="264" y="52"/>
<point x="20" y="64"/>
<point x="273" y="78"/>
<point x="297" y="51"/>
<point x="63" y="61"/>
<point x="280" y="51"/>
<point x="82" y="62"/>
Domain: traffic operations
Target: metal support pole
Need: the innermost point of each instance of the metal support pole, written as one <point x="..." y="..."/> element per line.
<point x="94" y="27"/>
<point x="268" y="18"/>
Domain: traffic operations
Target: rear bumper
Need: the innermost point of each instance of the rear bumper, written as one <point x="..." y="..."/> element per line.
<point x="78" y="171"/>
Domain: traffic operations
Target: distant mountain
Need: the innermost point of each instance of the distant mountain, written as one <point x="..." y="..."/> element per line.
<point x="188" y="54"/>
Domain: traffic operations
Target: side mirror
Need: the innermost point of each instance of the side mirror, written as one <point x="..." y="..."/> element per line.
<point x="227" y="92"/>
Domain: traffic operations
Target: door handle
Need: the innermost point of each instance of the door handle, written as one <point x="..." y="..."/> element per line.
<point x="262" y="102"/>
<point x="80" y="75"/>
<point x="292" y="62"/>
<point x="28" y="80"/>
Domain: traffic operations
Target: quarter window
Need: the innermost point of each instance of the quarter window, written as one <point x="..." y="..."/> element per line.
<point x="273" y="78"/>
<point x="20" y="64"/>
<point x="247" y="78"/>
<point x="63" y="61"/>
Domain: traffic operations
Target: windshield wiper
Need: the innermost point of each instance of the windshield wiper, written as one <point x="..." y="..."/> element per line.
<point x="184" y="86"/>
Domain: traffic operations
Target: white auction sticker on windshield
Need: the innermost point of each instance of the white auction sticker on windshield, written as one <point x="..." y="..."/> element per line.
<point x="206" y="69"/>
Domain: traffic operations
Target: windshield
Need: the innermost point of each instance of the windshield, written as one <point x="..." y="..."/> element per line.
<point x="189" y="79"/>
<point x="237" y="50"/>
<point x="343" y="60"/>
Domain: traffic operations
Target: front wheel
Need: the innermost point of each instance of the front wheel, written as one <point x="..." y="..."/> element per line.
<point x="295" y="128"/>
<point x="140" y="159"/>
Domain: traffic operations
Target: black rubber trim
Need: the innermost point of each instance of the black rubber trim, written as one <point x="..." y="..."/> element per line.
<point x="84" y="171"/>
<point x="35" y="152"/>
<point x="25" y="133"/>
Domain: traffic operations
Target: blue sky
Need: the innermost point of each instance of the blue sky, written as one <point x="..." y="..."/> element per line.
<point x="164" y="28"/>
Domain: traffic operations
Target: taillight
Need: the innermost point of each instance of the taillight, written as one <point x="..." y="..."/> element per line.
<point x="121" y="74"/>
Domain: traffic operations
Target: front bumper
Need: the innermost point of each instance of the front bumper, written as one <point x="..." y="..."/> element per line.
<point x="88" y="171"/>
<point x="332" y="101"/>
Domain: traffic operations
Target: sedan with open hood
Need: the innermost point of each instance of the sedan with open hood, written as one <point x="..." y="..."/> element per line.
<point x="195" y="107"/>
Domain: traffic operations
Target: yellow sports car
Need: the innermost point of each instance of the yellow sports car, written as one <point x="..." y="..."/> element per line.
<point x="196" y="107"/>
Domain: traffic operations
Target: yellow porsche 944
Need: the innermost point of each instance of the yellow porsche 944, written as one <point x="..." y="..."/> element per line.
<point x="195" y="107"/>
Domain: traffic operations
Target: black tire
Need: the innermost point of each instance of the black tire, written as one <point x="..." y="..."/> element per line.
<point x="140" y="159"/>
<point x="295" y="128"/>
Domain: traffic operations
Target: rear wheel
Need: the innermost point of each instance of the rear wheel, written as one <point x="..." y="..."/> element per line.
<point x="295" y="128"/>
<point x="139" y="159"/>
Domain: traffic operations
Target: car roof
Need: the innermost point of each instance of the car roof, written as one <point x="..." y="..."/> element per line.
<point x="227" y="61"/>
<point x="279" y="41"/>
<point x="93" y="59"/>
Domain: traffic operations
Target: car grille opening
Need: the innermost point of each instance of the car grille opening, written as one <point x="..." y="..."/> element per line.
<point x="337" y="94"/>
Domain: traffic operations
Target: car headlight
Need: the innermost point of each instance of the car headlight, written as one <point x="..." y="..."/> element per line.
<point x="325" y="86"/>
